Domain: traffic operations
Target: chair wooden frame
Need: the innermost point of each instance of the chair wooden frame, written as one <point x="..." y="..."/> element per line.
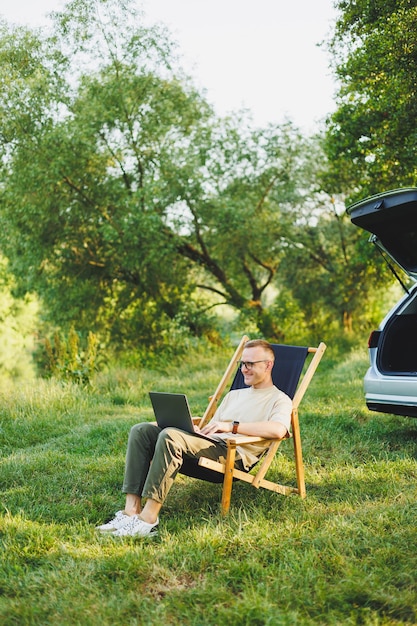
<point x="258" y="479"/>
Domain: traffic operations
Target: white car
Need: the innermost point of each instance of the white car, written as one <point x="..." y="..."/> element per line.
<point x="391" y="380"/>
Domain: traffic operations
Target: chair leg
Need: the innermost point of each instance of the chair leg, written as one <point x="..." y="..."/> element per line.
<point x="228" y="477"/>
<point x="299" y="465"/>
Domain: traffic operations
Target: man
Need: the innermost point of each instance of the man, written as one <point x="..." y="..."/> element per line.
<point x="155" y="456"/>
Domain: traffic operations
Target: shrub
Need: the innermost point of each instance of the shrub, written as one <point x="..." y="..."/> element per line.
<point x="68" y="359"/>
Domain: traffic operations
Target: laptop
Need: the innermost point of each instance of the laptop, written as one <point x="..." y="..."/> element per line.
<point x="173" y="410"/>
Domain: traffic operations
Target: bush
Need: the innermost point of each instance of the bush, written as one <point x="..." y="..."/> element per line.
<point x="67" y="359"/>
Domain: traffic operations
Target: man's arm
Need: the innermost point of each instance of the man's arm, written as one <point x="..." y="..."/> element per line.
<point x="267" y="429"/>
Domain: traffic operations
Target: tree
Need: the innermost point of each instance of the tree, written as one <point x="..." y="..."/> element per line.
<point x="82" y="204"/>
<point x="330" y="273"/>
<point x="133" y="210"/>
<point x="372" y="134"/>
<point x="236" y="199"/>
<point x="123" y="197"/>
<point x="370" y="138"/>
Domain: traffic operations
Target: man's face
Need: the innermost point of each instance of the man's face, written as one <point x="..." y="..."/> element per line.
<point x="259" y="373"/>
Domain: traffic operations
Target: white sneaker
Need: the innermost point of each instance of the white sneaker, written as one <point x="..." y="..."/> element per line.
<point x="118" y="521"/>
<point x="136" y="527"/>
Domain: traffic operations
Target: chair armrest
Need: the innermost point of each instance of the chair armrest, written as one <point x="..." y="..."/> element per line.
<point x="240" y="440"/>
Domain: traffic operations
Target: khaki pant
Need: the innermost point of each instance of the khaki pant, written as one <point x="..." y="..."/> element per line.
<point x="155" y="456"/>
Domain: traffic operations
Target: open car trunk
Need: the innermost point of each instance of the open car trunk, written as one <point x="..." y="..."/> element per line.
<point x="390" y="383"/>
<point x="391" y="218"/>
<point x="397" y="341"/>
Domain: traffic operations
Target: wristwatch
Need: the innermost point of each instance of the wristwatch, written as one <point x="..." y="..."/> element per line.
<point x="235" y="427"/>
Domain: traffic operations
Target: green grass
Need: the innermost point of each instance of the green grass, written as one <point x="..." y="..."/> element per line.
<point x="347" y="554"/>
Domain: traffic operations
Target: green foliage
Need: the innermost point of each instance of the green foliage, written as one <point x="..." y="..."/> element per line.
<point x="246" y="193"/>
<point x="369" y="146"/>
<point x="66" y="359"/>
<point x="345" y="555"/>
<point x="372" y="134"/>
<point x="18" y="325"/>
<point x="127" y="204"/>
<point x="85" y="217"/>
<point x="131" y="209"/>
<point x="334" y="274"/>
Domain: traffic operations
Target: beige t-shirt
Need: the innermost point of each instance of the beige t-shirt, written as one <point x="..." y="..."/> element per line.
<point x="254" y="405"/>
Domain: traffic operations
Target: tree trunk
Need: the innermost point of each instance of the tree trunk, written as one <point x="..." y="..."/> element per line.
<point x="347" y="322"/>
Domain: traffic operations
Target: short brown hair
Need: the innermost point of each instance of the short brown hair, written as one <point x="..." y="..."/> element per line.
<point x="261" y="343"/>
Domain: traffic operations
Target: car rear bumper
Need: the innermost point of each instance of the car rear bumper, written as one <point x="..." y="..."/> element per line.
<point x="394" y="409"/>
<point x="391" y="394"/>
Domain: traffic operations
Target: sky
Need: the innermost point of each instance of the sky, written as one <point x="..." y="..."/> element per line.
<point x="262" y="55"/>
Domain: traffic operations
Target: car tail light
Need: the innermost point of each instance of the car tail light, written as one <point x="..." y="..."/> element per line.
<point x="374" y="338"/>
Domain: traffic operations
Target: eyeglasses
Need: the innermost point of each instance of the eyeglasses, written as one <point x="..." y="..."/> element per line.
<point x="250" y="364"/>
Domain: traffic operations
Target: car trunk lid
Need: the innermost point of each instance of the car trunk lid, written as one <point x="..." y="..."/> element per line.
<point x="391" y="218"/>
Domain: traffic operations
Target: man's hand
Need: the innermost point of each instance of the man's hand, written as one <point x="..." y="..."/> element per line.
<point x="217" y="427"/>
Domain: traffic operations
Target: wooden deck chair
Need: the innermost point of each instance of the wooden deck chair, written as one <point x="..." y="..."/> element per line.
<point x="287" y="376"/>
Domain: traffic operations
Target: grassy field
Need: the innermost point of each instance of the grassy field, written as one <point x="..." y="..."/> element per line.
<point x="347" y="554"/>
